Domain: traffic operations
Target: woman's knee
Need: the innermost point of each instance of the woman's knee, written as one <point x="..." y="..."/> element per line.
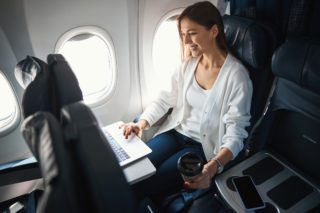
<point x="162" y="146"/>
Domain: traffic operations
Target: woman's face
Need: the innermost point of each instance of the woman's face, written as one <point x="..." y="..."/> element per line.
<point x="196" y="37"/>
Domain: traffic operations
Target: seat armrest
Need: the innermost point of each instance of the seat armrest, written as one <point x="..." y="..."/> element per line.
<point x="282" y="187"/>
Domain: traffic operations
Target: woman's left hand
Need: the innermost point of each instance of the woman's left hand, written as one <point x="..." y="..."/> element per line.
<point x="203" y="180"/>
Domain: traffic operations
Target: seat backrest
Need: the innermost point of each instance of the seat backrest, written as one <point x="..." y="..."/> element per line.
<point x="253" y="44"/>
<point x="275" y="12"/>
<point x="44" y="137"/>
<point x="48" y="86"/>
<point x="81" y="172"/>
<point x="291" y="126"/>
<point x="105" y="181"/>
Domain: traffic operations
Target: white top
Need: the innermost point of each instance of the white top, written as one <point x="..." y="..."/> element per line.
<point x="195" y="98"/>
<point x="226" y="111"/>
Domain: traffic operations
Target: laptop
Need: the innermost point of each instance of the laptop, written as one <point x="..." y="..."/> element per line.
<point x="126" y="150"/>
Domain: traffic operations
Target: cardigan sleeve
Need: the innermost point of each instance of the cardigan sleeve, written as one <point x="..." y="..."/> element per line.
<point x="165" y="100"/>
<point x="237" y="117"/>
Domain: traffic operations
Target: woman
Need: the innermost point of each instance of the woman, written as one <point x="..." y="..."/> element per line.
<point x="210" y="97"/>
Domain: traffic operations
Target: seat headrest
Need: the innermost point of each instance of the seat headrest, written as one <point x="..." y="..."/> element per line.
<point x="297" y="60"/>
<point x="249" y="40"/>
<point x="48" y="86"/>
<point x="66" y="86"/>
<point x="27" y="69"/>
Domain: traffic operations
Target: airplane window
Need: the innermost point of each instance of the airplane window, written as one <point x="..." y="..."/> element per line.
<point x="9" y="109"/>
<point x="166" y="49"/>
<point x="90" y="53"/>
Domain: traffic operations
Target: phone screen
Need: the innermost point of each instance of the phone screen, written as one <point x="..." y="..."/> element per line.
<point x="248" y="192"/>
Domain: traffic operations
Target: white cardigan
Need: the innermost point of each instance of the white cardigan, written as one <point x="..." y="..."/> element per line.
<point x="226" y="112"/>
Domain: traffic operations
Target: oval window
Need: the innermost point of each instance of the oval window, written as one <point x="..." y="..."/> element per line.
<point x="9" y="109"/>
<point x="90" y="54"/>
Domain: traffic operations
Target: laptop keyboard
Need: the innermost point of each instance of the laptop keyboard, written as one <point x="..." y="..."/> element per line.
<point x="117" y="149"/>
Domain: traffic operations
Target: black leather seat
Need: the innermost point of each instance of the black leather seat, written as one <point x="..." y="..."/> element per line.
<point x="48" y="86"/>
<point x="291" y="125"/>
<point x="80" y="171"/>
<point x="253" y="43"/>
<point x="286" y="168"/>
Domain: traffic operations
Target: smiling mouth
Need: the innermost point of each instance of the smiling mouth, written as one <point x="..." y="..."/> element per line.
<point x="193" y="47"/>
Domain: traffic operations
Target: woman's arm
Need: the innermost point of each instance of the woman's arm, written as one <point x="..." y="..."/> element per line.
<point x="158" y="108"/>
<point x="166" y="99"/>
<point x="137" y="128"/>
<point x="236" y="118"/>
<point x="210" y="169"/>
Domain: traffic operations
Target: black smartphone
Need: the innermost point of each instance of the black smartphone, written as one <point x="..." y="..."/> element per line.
<point x="248" y="193"/>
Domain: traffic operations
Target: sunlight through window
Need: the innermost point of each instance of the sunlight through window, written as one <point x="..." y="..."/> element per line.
<point x="8" y="106"/>
<point x="166" y="51"/>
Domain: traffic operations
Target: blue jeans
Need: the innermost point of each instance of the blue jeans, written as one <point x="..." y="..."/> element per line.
<point x="167" y="148"/>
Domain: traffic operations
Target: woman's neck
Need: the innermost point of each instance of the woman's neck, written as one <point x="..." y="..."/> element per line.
<point x="213" y="60"/>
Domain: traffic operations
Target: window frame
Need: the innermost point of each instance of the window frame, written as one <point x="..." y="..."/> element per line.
<point x="14" y="120"/>
<point x="103" y="95"/>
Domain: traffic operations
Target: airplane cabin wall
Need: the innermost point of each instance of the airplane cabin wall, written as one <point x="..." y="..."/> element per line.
<point x="33" y="27"/>
<point x="12" y="145"/>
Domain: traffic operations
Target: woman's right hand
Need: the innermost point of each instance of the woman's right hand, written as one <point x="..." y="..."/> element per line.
<point x="136" y="128"/>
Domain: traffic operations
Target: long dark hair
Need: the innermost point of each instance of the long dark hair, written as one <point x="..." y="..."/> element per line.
<point x="207" y="15"/>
